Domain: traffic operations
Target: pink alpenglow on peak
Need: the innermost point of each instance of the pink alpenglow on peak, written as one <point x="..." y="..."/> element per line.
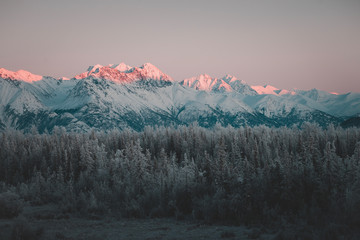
<point x="153" y="72"/>
<point x="226" y="84"/>
<point x="122" y="73"/>
<point x="286" y="92"/>
<point x="230" y="79"/>
<point x="122" y="67"/>
<point x="90" y="70"/>
<point x="267" y="89"/>
<point x="21" y="75"/>
<point x="202" y="82"/>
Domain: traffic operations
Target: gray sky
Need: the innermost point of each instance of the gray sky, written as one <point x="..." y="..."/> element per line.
<point x="286" y="43"/>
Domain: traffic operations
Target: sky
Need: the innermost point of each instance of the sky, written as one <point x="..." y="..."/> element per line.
<point x="285" y="43"/>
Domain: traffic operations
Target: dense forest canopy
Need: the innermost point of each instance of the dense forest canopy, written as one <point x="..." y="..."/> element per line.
<point x="246" y="175"/>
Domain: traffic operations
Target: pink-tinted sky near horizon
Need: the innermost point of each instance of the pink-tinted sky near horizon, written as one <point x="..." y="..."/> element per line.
<point x="285" y="43"/>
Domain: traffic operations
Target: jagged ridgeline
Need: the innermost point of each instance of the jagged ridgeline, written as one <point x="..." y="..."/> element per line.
<point x="119" y="96"/>
<point x="247" y="175"/>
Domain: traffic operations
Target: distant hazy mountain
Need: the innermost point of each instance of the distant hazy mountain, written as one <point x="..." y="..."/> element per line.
<point x="119" y="96"/>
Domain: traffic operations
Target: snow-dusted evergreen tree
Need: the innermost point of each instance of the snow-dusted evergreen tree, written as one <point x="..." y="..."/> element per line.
<point x="238" y="175"/>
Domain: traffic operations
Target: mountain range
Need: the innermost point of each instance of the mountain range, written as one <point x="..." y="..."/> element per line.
<point x="118" y="96"/>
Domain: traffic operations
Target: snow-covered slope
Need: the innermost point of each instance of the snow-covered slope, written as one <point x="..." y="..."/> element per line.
<point x="121" y="96"/>
<point x="268" y="89"/>
<point x="339" y="105"/>
<point x="226" y="84"/>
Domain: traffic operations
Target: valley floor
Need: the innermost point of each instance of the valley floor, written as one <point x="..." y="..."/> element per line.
<point x="45" y="222"/>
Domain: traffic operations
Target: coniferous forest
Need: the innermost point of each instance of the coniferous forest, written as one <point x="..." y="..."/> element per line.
<point x="246" y="176"/>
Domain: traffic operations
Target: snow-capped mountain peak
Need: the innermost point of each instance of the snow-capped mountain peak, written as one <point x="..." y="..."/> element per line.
<point x="204" y="76"/>
<point x="21" y="75"/>
<point x="122" y="67"/>
<point x="149" y="66"/>
<point x="266" y="89"/>
<point x="226" y="84"/>
<point x="149" y="71"/>
<point x="94" y="68"/>
<point x="144" y="96"/>
<point x="122" y="73"/>
<point x="202" y="82"/>
<point x="229" y="78"/>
